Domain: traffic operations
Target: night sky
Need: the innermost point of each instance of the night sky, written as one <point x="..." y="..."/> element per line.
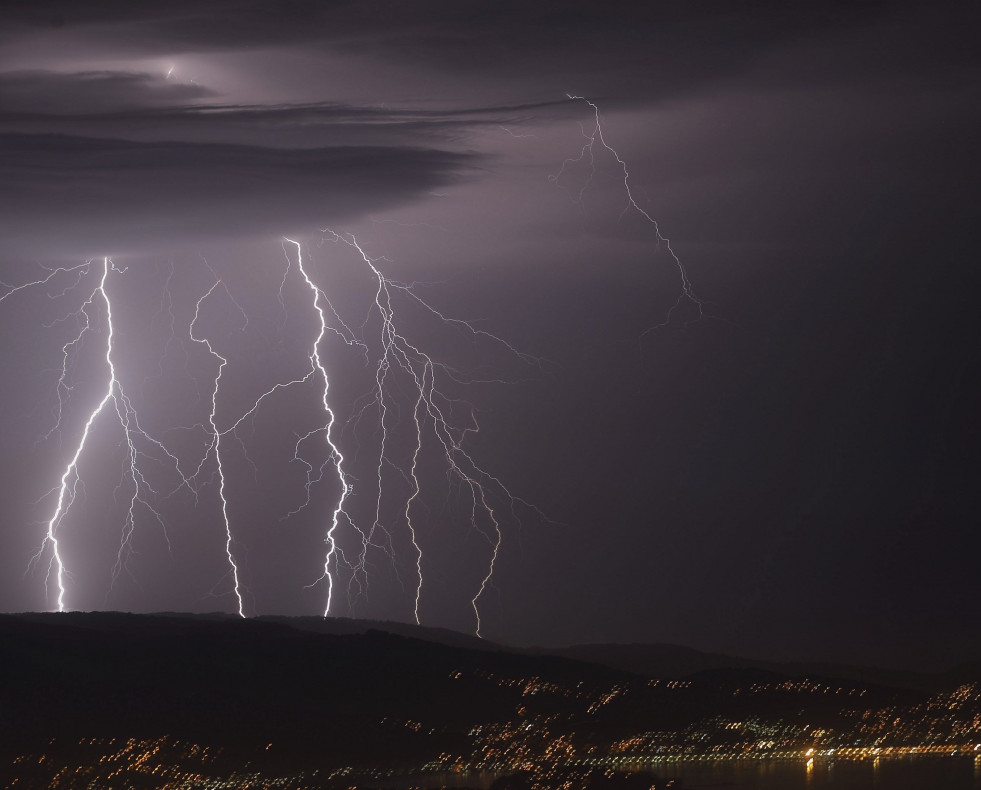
<point x="783" y="463"/>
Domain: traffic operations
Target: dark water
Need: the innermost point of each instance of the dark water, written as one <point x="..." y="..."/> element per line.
<point x="910" y="773"/>
<point x="905" y="773"/>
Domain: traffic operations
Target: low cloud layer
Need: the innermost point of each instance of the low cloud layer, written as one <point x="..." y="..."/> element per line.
<point x="107" y="195"/>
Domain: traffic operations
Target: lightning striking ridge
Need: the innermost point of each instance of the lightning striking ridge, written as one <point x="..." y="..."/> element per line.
<point x="214" y="446"/>
<point x="396" y="363"/>
<point x="588" y="154"/>
<point x="431" y="411"/>
<point x="412" y="497"/>
<point x="138" y="444"/>
<point x="316" y="372"/>
<point x="337" y="458"/>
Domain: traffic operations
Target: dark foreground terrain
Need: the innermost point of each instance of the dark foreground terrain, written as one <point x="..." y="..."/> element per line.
<point x="118" y="700"/>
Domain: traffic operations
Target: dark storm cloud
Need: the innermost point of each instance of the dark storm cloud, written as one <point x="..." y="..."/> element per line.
<point x="112" y="159"/>
<point x="38" y="91"/>
<point x="133" y="105"/>
<point x="109" y="159"/>
<point x="619" y="49"/>
<point x="107" y="195"/>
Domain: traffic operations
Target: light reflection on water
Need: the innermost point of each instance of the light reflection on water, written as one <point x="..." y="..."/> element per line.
<point x="906" y="773"/>
<point x="909" y="773"/>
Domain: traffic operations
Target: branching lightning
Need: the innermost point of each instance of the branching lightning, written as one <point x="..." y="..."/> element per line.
<point x="420" y="422"/>
<point x="336" y="456"/>
<point x="588" y="154"/>
<point x="139" y="445"/>
<point x="430" y="412"/>
<point x="398" y="353"/>
<point x="214" y="447"/>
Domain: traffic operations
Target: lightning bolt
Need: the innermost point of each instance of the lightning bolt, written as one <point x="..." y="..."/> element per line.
<point x="317" y="373"/>
<point x="433" y="413"/>
<point x="318" y="370"/>
<point x="429" y="408"/>
<point x="588" y="153"/>
<point x="138" y="444"/>
<point x="214" y="446"/>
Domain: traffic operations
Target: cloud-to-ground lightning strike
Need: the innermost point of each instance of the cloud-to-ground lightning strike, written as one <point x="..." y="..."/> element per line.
<point x="439" y="427"/>
<point x="336" y="456"/>
<point x="214" y="446"/>
<point x="429" y="407"/>
<point x="431" y="411"/>
<point x="397" y="352"/>
<point x="133" y="434"/>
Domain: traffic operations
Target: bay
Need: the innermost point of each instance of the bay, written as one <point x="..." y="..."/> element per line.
<point x="906" y="773"/>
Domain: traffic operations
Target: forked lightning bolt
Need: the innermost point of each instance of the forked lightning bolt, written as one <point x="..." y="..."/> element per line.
<point x="214" y="446"/>
<point x="428" y="408"/>
<point x="588" y="153"/>
<point x="397" y="352"/>
<point x="139" y="445"/>
<point x="336" y="456"/>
